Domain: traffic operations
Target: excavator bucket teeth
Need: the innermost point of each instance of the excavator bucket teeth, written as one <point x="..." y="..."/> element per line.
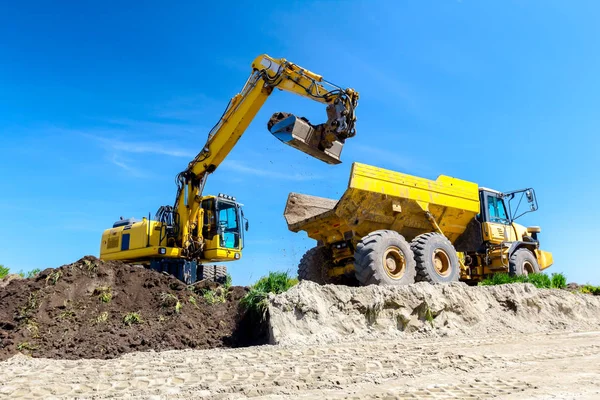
<point x="300" y="134"/>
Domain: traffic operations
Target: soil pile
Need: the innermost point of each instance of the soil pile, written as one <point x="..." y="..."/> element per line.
<point x="102" y="309"/>
<point x="313" y="314"/>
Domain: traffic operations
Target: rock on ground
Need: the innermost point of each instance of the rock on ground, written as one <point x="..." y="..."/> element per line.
<point x="313" y="314"/>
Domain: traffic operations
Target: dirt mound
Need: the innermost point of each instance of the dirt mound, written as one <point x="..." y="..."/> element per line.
<point x="313" y="314"/>
<point x="99" y="309"/>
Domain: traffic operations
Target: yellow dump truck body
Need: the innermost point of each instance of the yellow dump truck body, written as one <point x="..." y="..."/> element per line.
<point x="377" y="198"/>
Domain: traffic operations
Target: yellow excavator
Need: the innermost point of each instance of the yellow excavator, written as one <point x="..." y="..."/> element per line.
<point x="200" y="229"/>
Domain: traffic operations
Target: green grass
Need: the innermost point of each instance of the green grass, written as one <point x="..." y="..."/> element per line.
<point x="539" y="280"/>
<point x="3" y="271"/>
<point x="67" y="314"/>
<point x="26" y="346"/>
<point x="214" y="296"/>
<point x="104" y="293"/>
<point x="33" y="329"/>
<point x="132" y="318"/>
<point x="228" y="282"/>
<point x="590" y="289"/>
<point x="218" y="295"/>
<point x="90" y="266"/>
<point x="54" y="277"/>
<point x="26" y="312"/>
<point x="29" y="274"/>
<point x="170" y="300"/>
<point x="559" y="281"/>
<point x="276" y="282"/>
<point x="102" y="317"/>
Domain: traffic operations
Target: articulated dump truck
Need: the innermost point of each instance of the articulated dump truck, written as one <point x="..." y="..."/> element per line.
<point x="393" y="228"/>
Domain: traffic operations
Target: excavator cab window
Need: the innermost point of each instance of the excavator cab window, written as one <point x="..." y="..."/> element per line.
<point x="229" y="230"/>
<point x="209" y="228"/>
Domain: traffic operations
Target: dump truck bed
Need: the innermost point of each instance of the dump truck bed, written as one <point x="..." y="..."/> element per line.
<point x="377" y="198"/>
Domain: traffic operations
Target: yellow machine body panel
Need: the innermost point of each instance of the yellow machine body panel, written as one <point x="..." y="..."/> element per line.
<point x="143" y="240"/>
<point x="131" y="240"/>
<point x="544" y="259"/>
<point x="377" y="198"/>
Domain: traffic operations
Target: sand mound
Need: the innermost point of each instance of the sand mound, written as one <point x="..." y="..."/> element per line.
<point x="88" y="310"/>
<point x="311" y="314"/>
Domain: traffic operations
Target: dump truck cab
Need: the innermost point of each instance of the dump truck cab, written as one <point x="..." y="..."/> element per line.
<point x="394" y="228"/>
<point x="497" y="215"/>
<point x="500" y="237"/>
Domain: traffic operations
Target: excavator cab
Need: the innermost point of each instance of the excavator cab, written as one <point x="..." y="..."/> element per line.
<point x="223" y="228"/>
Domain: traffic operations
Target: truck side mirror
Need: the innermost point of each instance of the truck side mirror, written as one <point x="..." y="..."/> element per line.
<point x="246" y="225"/>
<point x="529" y="196"/>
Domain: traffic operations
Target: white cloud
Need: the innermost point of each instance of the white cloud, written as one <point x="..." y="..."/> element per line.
<point x="154" y="148"/>
<point x="161" y="148"/>
<point x="124" y="165"/>
<point x="242" y="168"/>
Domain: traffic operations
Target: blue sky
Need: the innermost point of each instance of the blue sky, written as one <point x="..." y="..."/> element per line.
<point x="103" y="103"/>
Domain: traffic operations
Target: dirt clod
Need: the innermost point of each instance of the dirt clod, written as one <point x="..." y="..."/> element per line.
<point x="102" y="309"/>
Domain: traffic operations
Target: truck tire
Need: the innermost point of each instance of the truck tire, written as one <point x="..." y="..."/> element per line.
<point x="205" y="272"/>
<point x="384" y="257"/>
<point x="437" y="261"/>
<point x="220" y="274"/>
<point x="313" y="266"/>
<point x="523" y="262"/>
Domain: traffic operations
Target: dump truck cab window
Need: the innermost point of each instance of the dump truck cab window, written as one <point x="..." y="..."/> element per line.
<point x="497" y="210"/>
<point x="228" y="224"/>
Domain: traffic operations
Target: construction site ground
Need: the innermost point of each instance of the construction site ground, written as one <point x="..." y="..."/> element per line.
<point x="60" y="339"/>
<point x="563" y="365"/>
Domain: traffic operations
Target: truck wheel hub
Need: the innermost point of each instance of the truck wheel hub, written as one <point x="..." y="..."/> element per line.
<point x="394" y="263"/>
<point x="441" y="262"/>
<point x="527" y="268"/>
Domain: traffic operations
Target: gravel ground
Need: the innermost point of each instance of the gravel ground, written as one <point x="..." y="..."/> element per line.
<point x="562" y="365"/>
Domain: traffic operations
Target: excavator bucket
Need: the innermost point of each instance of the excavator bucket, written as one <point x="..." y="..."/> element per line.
<point x="300" y="134"/>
